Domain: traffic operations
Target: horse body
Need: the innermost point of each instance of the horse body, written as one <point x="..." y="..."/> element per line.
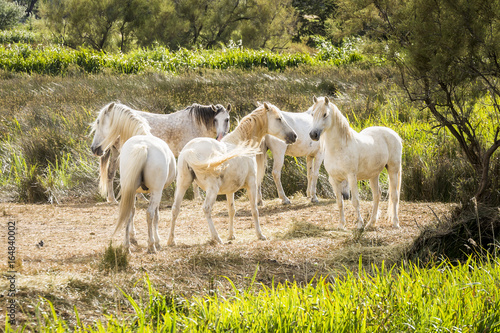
<point x="146" y="165"/>
<point x="226" y="166"/>
<point x="354" y="156"/>
<point x="176" y="128"/>
<point x="304" y="146"/>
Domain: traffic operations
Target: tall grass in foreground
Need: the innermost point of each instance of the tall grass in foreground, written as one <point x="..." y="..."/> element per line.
<point x="442" y="298"/>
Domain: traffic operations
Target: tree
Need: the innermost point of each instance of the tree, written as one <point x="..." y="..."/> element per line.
<point x="10" y="14"/>
<point x="448" y="54"/>
<point x="312" y="16"/>
<point x="82" y="22"/>
<point x="272" y="24"/>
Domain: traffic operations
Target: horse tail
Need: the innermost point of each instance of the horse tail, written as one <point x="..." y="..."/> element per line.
<point x="103" y="173"/>
<point x="214" y="164"/>
<point x="130" y="178"/>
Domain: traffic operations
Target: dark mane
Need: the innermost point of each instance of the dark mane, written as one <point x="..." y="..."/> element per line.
<point x="204" y="113"/>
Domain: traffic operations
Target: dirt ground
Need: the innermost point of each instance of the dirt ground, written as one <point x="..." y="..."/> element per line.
<point x="302" y="242"/>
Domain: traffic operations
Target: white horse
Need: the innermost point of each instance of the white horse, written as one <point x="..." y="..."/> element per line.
<point x="357" y="156"/>
<point x="226" y="166"/>
<point x="176" y="128"/>
<point x="304" y="146"/>
<point x="147" y="165"/>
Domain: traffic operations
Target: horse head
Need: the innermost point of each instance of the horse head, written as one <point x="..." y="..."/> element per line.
<point x="321" y="116"/>
<point x="221" y="120"/>
<point x="101" y="129"/>
<point x="116" y="121"/>
<point x="277" y="125"/>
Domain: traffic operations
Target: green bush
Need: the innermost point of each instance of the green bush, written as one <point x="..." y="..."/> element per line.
<point x="10" y="14"/>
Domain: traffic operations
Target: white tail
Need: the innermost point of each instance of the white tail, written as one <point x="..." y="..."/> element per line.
<point x="103" y="173"/>
<point x="214" y="163"/>
<point x="129" y="179"/>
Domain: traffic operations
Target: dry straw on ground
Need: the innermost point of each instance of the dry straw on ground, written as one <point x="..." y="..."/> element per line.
<point x="303" y="242"/>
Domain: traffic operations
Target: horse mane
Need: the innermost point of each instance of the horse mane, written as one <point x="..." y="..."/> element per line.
<point x="124" y="123"/>
<point x="204" y="114"/>
<point x="341" y="122"/>
<point x="251" y="129"/>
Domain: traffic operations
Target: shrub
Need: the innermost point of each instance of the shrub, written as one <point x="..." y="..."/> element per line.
<point x="10" y="14"/>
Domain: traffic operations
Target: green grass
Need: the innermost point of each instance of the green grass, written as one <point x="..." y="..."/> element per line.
<point x="56" y="60"/>
<point x="463" y="297"/>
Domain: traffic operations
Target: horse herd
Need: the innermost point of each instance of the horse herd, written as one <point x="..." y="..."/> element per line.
<point x="145" y="146"/>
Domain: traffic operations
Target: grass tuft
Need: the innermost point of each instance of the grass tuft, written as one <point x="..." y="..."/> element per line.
<point x="303" y="229"/>
<point x="115" y="258"/>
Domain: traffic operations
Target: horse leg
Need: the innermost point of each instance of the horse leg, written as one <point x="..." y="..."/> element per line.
<point x="353" y="183"/>
<point x="184" y="180"/>
<point x="152" y="219"/>
<point x="376" y="193"/>
<point x="279" y="160"/>
<point x="196" y="192"/>
<point x="261" y="170"/>
<point x="394" y="192"/>
<point x="309" y="161"/>
<point x="128" y="228"/>
<point x="131" y="227"/>
<point x="232" y="212"/>
<point x="252" y="196"/>
<point x="112" y="167"/>
<point x="211" y="196"/>
<point x="314" y="174"/>
<point x="337" y="187"/>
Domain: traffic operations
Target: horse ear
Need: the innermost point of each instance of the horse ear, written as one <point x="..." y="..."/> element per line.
<point x="228" y="107"/>
<point x="266" y="106"/>
<point x="214" y="109"/>
<point x="315" y="99"/>
<point x="111" y="106"/>
<point x="327" y="100"/>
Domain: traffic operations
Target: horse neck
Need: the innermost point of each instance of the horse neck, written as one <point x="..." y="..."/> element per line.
<point x="340" y="131"/>
<point x="248" y="131"/>
<point x="127" y="129"/>
<point x="203" y="125"/>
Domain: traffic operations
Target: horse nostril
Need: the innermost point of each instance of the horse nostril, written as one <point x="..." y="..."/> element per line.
<point x="314" y="135"/>
<point x="96" y="151"/>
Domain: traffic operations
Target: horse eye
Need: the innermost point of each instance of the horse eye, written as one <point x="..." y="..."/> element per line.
<point x="324" y="116"/>
<point x="226" y="121"/>
<point x="279" y="119"/>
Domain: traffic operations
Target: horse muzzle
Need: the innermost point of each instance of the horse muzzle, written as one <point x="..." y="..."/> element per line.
<point x="291" y="138"/>
<point x="220" y="135"/>
<point x="315" y="134"/>
<point x="97" y="151"/>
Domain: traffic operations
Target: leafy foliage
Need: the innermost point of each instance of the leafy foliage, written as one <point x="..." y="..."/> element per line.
<point x="10" y="14"/>
<point x="57" y="60"/>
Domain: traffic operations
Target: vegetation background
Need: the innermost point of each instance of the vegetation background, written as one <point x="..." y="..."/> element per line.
<point x="428" y="69"/>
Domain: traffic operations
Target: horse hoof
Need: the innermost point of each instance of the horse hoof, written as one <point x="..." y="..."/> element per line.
<point x="158" y="247"/>
<point x="152" y="249"/>
<point x="262" y="237"/>
<point x="170" y="242"/>
<point x="396" y="226"/>
<point x="133" y="241"/>
<point x="286" y="202"/>
<point x="260" y="203"/>
<point x="230" y="238"/>
<point x="314" y="200"/>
